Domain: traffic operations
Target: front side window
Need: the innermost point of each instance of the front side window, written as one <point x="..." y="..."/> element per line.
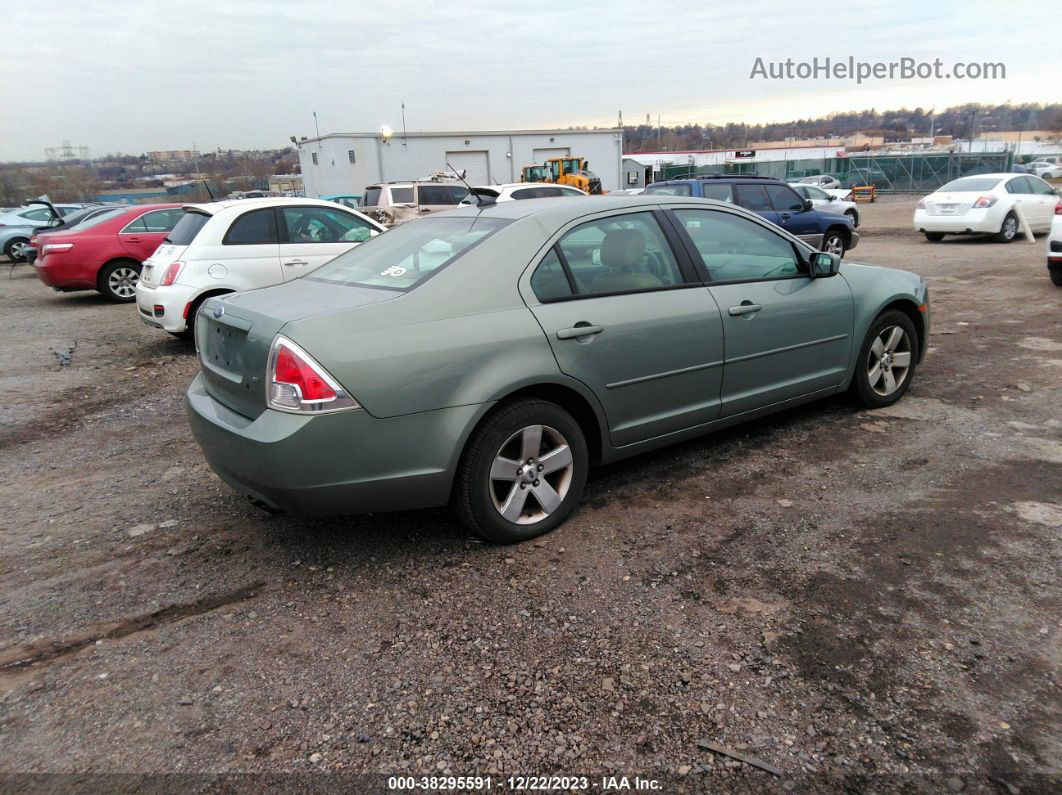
<point x="1040" y="187"/>
<point x="619" y="254"/>
<point x="815" y="193"/>
<point x="737" y="249"/>
<point x="402" y="195"/>
<point x="408" y="254"/>
<point x="784" y="198"/>
<point x="441" y="194"/>
<point x="255" y="227"/>
<point x="752" y="197"/>
<point x="680" y="189"/>
<point x="324" y="225"/>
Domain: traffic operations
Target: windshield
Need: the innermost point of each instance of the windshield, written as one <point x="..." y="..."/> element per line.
<point x="408" y="254"/>
<point x="185" y="230"/>
<point x="682" y="189"/>
<point x="970" y="184"/>
<point x="371" y="197"/>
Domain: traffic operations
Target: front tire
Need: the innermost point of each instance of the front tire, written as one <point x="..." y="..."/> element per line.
<point x="934" y="237"/>
<point x="853" y="216"/>
<point x="887" y="360"/>
<point x="16" y="248"/>
<point x="522" y="472"/>
<point x="1009" y="230"/>
<point x="833" y="242"/>
<point x="117" y="281"/>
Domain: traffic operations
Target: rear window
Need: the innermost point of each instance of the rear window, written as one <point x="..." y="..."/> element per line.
<point x="720" y="191"/>
<point x="970" y="184"/>
<point x="98" y="219"/>
<point x="408" y="254"/>
<point x="371" y="197"/>
<point x="187" y="228"/>
<point x="670" y="190"/>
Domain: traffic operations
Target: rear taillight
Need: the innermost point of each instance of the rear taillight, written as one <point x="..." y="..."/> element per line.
<point x="1058" y="208"/>
<point x="53" y="248"/>
<point x="984" y="202"/>
<point x="921" y="204"/>
<point x="300" y="385"/>
<point x="170" y="276"/>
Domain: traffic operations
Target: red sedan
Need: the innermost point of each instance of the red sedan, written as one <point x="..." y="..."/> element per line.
<point x="105" y="252"/>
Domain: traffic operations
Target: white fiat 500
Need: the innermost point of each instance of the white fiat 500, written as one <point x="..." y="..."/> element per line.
<point x="987" y="204"/>
<point x="229" y="246"/>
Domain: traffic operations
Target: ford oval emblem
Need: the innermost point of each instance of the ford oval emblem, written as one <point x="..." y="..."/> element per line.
<point x="218" y="311"/>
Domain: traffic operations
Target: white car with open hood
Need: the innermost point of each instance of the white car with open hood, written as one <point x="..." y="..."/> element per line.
<point x="228" y="246"/>
<point x="987" y="204"/>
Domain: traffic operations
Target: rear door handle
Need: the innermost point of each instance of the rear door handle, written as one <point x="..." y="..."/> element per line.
<point x="296" y="262"/>
<point x="745" y="309"/>
<point x="578" y="331"/>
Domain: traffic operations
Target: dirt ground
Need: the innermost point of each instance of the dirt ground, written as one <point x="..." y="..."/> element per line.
<point x="862" y="600"/>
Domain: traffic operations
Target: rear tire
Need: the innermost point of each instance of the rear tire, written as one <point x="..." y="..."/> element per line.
<point x="1009" y="230"/>
<point x="1056" y="277"/>
<point x="522" y="472"/>
<point x="117" y="281"/>
<point x="15" y="248"/>
<point x="887" y="360"/>
<point x="934" y="237"/>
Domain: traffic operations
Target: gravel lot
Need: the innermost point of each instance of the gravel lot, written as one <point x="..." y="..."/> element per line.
<point x="863" y="600"/>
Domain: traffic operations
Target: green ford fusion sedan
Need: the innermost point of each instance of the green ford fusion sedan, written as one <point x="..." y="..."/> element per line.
<point x="486" y="357"/>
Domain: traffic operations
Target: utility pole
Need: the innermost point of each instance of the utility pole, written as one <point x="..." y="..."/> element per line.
<point x="973" y="128"/>
<point x="403" y="124"/>
<point x="620" y="125"/>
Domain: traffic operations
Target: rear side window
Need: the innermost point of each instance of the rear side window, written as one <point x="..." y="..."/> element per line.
<point x="737" y="249"/>
<point x="401" y="195"/>
<point x="371" y="197"/>
<point x="257" y="226"/>
<point x="682" y="189"/>
<point x="549" y="280"/>
<point x="753" y="197"/>
<point x="43" y="214"/>
<point x="621" y="253"/>
<point x="440" y="194"/>
<point x="187" y="228"/>
<point x="160" y="220"/>
<point x="719" y="191"/>
<point x="784" y="198"/>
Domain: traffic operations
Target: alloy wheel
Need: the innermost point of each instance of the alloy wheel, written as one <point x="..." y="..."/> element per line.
<point x="1010" y="227"/>
<point x="17" y="250"/>
<point x="122" y="282"/>
<point x="889" y="360"/>
<point x="834" y="245"/>
<point x="531" y="474"/>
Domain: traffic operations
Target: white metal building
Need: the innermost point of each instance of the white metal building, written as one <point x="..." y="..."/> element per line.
<point x="347" y="162"/>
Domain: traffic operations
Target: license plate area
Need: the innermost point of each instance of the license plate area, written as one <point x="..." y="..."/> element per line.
<point x="221" y="350"/>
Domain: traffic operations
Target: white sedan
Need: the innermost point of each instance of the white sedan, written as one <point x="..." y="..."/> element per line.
<point x="243" y="244"/>
<point x="1046" y="167"/>
<point x="827" y="201"/>
<point x="1054" y="251"/>
<point x="822" y="181"/>
<point x="511" y="191"/>
<point x="987" y="204"/>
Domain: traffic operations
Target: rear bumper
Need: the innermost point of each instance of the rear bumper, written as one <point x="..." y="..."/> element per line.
<point x="64" y="274"/>
<point x="980" y="221"/>
<point x="333" y="464"/>
<point x="172" y="299"/>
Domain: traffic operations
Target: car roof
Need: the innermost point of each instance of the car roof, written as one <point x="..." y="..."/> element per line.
<point x="563" y="208"/>
<point x="751" y="178"/>
<point x="213" y="208"/>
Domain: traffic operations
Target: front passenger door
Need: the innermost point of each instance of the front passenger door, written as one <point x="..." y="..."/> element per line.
<point x="786" y="335"/>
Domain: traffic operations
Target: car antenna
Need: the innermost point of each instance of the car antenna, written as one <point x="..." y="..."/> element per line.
<point x="210" y="193"/>
<point x="481" y="201"/>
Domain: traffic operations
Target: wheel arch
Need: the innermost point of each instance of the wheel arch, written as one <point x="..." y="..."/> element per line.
<point x="844" y="231"/>
<point x="917" y="318"/>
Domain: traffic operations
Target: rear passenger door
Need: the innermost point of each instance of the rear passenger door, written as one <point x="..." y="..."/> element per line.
<point x="438" y="198"/>
<point x="787" y="335"/>
<point x="312" y="235"/>
<point x="250" y="249"/>
<point x="141" y="236"/>
<point x="754" y="197"/>
<point x="625" y="314"/>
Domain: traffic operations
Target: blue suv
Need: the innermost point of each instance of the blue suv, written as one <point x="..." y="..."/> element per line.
<point x="771" y="199"/>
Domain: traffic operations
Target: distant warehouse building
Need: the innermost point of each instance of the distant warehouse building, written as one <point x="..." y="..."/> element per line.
<point x="347" y="162"/>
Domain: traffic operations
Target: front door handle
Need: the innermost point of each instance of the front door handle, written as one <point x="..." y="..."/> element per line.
<point x="746" y="308"/>
<point x="578" y="330"/>
<point x="297" y="262"/>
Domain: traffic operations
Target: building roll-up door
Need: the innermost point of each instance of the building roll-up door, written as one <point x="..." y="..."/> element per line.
<point x="474" y="164"/>
<point x="542" y="155"/>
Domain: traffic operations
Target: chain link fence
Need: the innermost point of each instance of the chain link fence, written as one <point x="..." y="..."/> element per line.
<point x="911" y="173"/>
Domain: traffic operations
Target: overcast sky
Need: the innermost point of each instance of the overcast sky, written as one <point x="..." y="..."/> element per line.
<point x="136" y="76"/>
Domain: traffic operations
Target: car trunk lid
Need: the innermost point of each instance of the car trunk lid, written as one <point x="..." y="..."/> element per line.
<point x="234" y="334"/>
<point x="155" y="265"/>
<point x="950" y="203"/>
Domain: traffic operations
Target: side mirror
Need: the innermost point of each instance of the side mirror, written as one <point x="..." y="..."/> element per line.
<point x="807" y="205"/>
<point x="824" y="265"/>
